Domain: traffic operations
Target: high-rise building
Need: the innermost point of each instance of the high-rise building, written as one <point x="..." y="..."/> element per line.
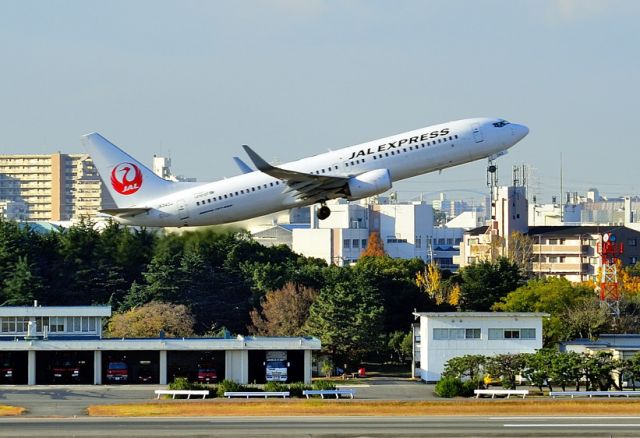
<point x="55" y="187"/>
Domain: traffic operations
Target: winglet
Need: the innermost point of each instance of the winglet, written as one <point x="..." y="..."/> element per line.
<point x="257" y="159"/>
<point x="242" y="165"/>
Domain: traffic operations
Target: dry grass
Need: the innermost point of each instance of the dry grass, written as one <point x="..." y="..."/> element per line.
<point x="10" y="411"/>
<point x="363" y="408"/>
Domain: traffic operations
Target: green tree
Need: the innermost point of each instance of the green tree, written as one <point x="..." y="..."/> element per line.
<point x="21" y="286"/>
<point x="537" y="367"/>
<point x="347" y="317"/>
<point x="598" y="370"/>
<point x="551" y="295"/>
<point x="508" y="366"/>
<point x="469" y="365"/>
<point x="484" y="283"/>
<point x="566" y="368"/>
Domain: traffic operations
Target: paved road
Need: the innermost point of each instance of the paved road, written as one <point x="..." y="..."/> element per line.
<point x="327" y="427"/>
<point x="72" y="400"/>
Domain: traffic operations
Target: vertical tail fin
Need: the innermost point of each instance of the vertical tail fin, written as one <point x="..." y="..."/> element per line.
<point x="129" y="182"/>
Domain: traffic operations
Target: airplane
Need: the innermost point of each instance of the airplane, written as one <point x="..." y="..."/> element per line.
<point x="145" y="199"/>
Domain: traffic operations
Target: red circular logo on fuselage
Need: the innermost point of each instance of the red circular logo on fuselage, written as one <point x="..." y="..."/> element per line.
<point x="126" y="178"/>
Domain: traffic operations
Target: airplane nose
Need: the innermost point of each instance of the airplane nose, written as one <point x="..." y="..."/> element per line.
<point x="519" y="131"/>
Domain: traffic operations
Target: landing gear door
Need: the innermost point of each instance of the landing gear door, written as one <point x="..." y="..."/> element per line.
<point x="183" y="211"/>
<point x="477" y="133"/>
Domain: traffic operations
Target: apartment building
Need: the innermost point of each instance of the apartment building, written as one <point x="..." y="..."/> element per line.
<point x="555" y="251"/>
<point x="55" y="187"/>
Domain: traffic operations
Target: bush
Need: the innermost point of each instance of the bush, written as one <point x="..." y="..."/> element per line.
<point x="229" y="386"/>
<point x="296" y="388"/>
<point x="180" y="383"/>
<point x="467" y="388"/>
<point x="449" y="387"/>
<point x="275" y="387"/>
<point x="323" y="384"/>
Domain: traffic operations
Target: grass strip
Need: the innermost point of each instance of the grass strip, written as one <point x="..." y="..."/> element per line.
<point x="364" y="408"/>
<point x="10" y="411"/>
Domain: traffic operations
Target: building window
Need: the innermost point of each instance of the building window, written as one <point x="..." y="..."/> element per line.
<point x="512" y="334"/>
<point x="346" y="243"/>
<point x="418" y="242"/>
<point x="553" y="241"/>
<point x="441" y="334"/>
<point x="499" y="334"/>
<point x="633" y="260"/>
<point x="472" y="333"/>
<point x="355" y="243"/>
<point x="552" y="259"/>
<point x="633" y="242"/>
<point x="56" y="324"/>
<point x="364" y="243"/>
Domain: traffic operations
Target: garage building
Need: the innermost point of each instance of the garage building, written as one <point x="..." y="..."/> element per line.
<point x="45" y="345"/>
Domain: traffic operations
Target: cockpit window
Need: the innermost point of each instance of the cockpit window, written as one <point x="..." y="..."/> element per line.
<point x="501" y="123"/>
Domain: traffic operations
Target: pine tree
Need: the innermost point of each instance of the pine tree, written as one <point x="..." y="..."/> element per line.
<point x="21" y="287"/>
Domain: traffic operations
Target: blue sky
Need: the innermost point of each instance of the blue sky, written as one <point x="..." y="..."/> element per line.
<point x="197" y="79"/>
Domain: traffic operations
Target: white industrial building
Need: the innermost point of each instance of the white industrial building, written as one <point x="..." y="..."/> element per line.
<point x="32" y="339"/>
<point x="405" y="229"/>
<point x="441" y="336"/>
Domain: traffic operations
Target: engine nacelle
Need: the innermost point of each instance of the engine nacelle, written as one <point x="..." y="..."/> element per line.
<point x="369" y="184"/>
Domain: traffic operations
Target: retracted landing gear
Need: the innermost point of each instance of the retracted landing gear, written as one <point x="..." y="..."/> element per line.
<point x="323" y="212"/>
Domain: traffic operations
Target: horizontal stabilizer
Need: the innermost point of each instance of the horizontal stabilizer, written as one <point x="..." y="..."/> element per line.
<point x="123" y="212"/>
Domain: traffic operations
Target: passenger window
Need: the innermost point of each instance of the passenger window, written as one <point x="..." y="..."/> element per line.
<point x="236" y="193"/>
<point x="322" y="170"/>
<point x="253" y="189"/>
<point x="386" y="154"/>
<point x="209" y="201"/>
<point x="271" y="184"/>
<point x="225" y="196"/>
<point x="197" y="202"/>
<point x="456" y="136"/>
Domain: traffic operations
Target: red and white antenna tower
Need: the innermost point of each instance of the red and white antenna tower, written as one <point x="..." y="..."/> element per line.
<point x="610" y="251"/>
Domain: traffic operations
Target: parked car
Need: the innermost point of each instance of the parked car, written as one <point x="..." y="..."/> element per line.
<point x="117" y="371"/>
<point x="145" y="373"/>
<point x="207" y="373"/>
<point x="6" y="371"/>
<point x="65" y="370"/>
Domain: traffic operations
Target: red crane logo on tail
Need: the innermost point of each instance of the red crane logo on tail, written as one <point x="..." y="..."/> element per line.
<point x="126" y="178"/>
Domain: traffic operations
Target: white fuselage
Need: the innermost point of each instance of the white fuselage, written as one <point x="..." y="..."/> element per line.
<point x="404" y="155"/>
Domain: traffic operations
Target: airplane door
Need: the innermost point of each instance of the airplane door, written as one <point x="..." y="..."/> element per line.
<point x="477" y="133"/>
<point x="183" y="211"/>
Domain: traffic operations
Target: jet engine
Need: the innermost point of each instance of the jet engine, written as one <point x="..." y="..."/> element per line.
<point x="368" y="184"/>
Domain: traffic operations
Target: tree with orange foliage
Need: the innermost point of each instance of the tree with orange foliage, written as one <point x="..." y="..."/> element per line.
<point x="284" y="311"/>
<point x="375" y="247"/>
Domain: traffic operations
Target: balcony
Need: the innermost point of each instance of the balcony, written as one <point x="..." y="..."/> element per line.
<point x="560" y="249"/>
<point x="562" y="268"/>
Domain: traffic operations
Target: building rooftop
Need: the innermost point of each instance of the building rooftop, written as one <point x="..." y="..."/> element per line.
<point x="101" y="311"/>
<point x="480" y="314"/>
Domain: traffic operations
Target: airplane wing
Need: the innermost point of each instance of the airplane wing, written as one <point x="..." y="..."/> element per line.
<point x="308" y="186"/>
